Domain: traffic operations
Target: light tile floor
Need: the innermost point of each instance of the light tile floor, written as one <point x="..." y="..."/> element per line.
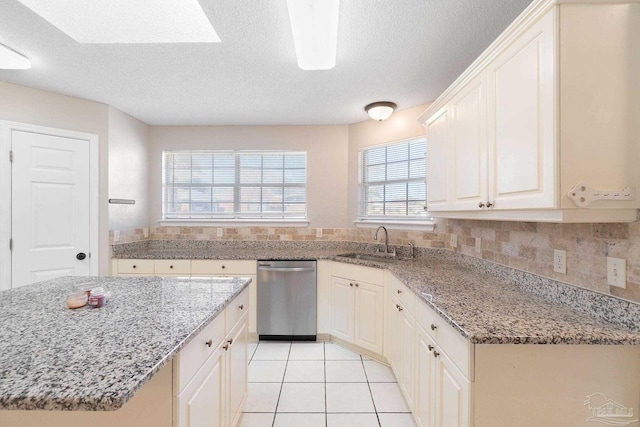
<point x="320" y="384"/>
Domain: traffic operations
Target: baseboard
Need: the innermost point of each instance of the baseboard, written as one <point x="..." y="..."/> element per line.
<point x="377" y="357"/>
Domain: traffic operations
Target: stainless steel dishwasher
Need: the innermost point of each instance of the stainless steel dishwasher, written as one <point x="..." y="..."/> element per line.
<point x="287" y="300"/>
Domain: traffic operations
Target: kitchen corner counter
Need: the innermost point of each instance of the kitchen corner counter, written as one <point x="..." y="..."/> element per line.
<point x="54" y="358"/>
<point x="487" y="303"/>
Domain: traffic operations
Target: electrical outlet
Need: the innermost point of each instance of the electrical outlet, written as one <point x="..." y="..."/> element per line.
<point x="617" y="272"/>
<point x="478" y="244"/>
<point x="219" y="232"/>
<point x="318" y="232"/>
<point x="560" y="261"/>
<point x="454" y="241"/>
<point x="145" y="232"/>
<point x="116" y="236"/>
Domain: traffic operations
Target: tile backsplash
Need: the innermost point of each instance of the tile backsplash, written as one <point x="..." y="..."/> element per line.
<point x="525" y="246"/>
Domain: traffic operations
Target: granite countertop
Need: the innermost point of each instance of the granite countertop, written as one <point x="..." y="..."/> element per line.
<point x="486" y="302"/>
<point x="54" y="358"/>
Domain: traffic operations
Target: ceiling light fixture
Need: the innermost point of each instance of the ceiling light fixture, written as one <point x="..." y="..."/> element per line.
<point x="314" y="24"/>
<point x="12" y="60"/>
<point x="380" y="110"/>
<point x="126" y="21"/>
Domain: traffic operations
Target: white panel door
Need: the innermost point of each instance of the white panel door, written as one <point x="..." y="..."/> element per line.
<point x="452" y="394"/>
<point x="369" y="316"/>
<point x="438" y="159"/>
<point x="470" y="147"/>
<point x="425" y="379"/>
<point x="342" y="308"/>
<point x="50" y="207"/>
<point x="406" y="347"/>
<point x="522" y="87"/>
<point x="237" y="362"/>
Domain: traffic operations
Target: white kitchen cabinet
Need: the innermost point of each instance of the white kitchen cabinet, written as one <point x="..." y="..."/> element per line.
<point x="549" y="105"/>
<point x="425" y="370"/>
<point x="214" y="395"/>
<point x="357" y="306"/>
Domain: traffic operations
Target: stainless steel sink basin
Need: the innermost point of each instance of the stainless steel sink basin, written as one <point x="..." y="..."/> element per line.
<point x="366" y="257"/>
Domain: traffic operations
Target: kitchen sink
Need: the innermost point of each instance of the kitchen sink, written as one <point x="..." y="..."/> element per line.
<point x="368" y="257"/>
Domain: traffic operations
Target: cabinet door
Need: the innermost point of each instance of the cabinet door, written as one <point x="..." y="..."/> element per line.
<point x="393" y="339"/>
<point x="406" y="350"/>
<point x="522" y="128"/>
<point x="452" y="394"/>
<point x="469" y="157"/>
<point x="425" y="381"/>
<point x="438" y="161"/>
<point x="342" y="308"/>
<point x="236" y="364"/>
<point x="201" y="403"/>
<point x="369" y="316"/>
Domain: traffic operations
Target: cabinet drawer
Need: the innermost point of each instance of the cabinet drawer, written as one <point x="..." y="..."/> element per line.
<point x="194" y="354"/>
<point x="173" y="266"/>
<point x="458" y="348"/>
<point x="202" y="267"/>
<point x="135" y="266"/>
<point x="235" y="310"/>
<point x="398" y="290"/>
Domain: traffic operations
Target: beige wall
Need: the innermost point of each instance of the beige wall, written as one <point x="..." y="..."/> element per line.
<point x="326" y="160"/>
<point x="128" y="170"/>
<point x="37" y="107"/>
<point x="401" y="125"/>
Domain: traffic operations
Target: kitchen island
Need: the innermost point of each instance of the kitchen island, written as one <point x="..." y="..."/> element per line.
<point x="115" y="365"/>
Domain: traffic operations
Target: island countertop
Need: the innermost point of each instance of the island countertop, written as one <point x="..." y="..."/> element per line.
<point x="54" y="358"/>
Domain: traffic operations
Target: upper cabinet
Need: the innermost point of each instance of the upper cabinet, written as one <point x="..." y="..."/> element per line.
<point x="541" y="126"/>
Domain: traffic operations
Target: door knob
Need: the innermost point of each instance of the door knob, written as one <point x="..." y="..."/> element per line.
<point x="481" y="205"/>
<point x="80" y="256"/>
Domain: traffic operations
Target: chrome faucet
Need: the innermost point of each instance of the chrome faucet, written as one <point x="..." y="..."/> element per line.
<point x="386" y="240"/>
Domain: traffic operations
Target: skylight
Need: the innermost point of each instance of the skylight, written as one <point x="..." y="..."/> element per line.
<point x="128" y="21"/>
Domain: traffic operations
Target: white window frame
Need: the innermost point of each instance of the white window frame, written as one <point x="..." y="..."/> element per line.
<point x="237" y="219"/>
<point x="424" y="223"/>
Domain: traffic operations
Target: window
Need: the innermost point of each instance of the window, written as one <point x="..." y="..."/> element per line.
<point x="234" y="184"/>
<point x="393" y="180"/>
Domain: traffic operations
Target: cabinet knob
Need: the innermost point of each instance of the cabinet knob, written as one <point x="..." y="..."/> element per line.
<point x="430" y="347"/>
<point x="489" y="204"/>
<point x="241" y="306"/>
<point x="400" y="308"/>
<point x="433" y="327"/>
<point x="351" y="284"/>
<point x="171" y="267"/>
<point x="399" y="291"/>
<point x="481" y="205"/>
<point x="223" y="267"/>
<point x="209" y="343"/>
<point x="230" y="340"/>
<point x="357" y="286"/>
<point x="435" y="354"/>
<point x="226" y="347"/>
<point x="135" y="266"/>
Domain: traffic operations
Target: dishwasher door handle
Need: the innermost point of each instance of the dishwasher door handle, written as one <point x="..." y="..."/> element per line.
<point x="286" y="269"/>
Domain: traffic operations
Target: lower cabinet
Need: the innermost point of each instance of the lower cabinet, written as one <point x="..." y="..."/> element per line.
<point x="402" y="351"/>
<point x="214" y="395"/>
<point x="357" y="313"/>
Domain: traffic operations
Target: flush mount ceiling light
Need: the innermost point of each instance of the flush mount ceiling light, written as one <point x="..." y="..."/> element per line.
<point x="314" y="24"/>
<point x="12" y="60"/>
<point x="380" y="110"/>
<point x="128" y="21"/>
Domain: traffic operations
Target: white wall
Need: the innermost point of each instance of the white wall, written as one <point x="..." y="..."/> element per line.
<point x="401" y="125"/>
<point x="327" y="158"/>
<point x="33" y="106"/>
<point x="128" y="170"/>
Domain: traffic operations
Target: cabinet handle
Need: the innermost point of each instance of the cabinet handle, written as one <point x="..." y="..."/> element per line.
<point x="435" y="354"/>
<point x="230" y="341"/>
<point x="226" y="347"/>
<point x="357" y="286"/>
<point x="430" y="347"/>
<point x="400" y="308"/>
<point x="135" y="266"/>
<point x="481" y="205"/>
<point x="223" y="267"/>
<point x="489" y="204"/>
<point x="433" y="327"/>
<point x="209" y="343"/>
<point x="171" y="267"/>
<point x="399" y="291"/>
<point x="241" y="306"/>
<point x="351" y="284"/>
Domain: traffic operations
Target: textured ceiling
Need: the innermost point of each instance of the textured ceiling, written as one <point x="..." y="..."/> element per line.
<point x="405" y="51"/>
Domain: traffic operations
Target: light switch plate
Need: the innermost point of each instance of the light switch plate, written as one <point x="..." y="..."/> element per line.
<point x="116" y="236"/>
<point x="219" y="232"/>
<point x="318" y="232"/>
<point x="478" y="244"/>
<point x="454" y="240"/>
<point x="560" y="261"/>
<point x="617" y="272"/>
<point x="145" y="232"/>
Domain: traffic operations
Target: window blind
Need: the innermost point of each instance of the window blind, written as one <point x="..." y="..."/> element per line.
<point x="393" y="180"/>
<point x="234" y="184"/>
